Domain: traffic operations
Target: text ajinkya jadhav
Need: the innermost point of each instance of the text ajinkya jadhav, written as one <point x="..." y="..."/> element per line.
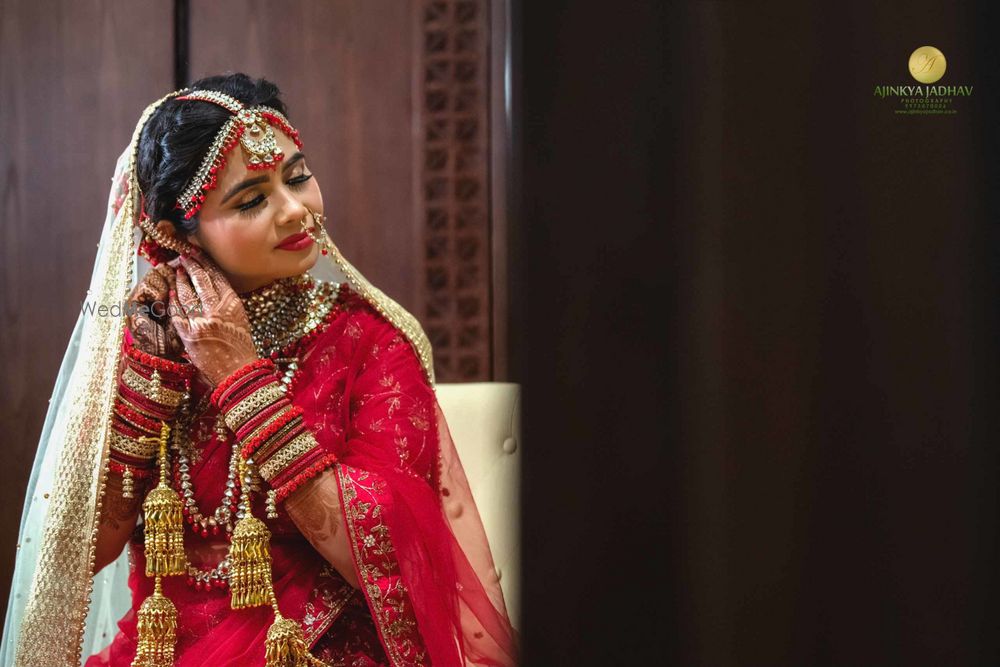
<point x="924" y="91"/>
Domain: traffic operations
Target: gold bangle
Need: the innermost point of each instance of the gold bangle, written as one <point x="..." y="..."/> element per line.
<point x="252" y="404"/>
<point x="151" y="389"/>
<point x="144" y="411"/>
<point x="132" y="447"/>
<point x="132" y="423"/>
<point x="283" y="431"/>
<point x="301" y="444"/>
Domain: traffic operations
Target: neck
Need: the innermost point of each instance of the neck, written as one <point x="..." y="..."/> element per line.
<point x="273" y="287"/>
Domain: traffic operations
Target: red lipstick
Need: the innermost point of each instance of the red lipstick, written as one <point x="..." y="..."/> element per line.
<point x="297" y="241"/>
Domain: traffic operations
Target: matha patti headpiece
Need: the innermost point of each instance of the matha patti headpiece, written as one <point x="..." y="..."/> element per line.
<point x="251" y="127"/>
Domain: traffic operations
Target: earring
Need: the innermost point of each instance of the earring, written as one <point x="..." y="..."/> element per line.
<point x="179" y="246"/>
<point x="318" y="233"/>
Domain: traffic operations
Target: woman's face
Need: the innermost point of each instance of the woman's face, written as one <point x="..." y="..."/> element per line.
<point x="248" y="220"/>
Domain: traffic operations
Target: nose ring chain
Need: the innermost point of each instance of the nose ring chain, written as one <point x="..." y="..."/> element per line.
<point x="318" y="233"/>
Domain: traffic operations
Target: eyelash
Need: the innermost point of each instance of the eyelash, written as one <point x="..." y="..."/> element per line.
<point x="252" y="207"/>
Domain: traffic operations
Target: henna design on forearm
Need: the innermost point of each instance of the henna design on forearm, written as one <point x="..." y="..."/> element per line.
<point x="117" y="509"/>
<point x="315" y="509"/>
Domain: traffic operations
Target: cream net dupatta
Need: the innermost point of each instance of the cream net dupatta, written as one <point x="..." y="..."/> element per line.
<point x="51" y="589"/>
<point x="58" y="612"/>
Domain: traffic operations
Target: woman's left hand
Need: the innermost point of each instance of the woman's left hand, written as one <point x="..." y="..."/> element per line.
<point x="211" y="321"/>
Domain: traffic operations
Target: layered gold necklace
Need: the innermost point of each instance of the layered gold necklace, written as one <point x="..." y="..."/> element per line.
<point x="282" y="314"/>
<point x="285" y="311"/>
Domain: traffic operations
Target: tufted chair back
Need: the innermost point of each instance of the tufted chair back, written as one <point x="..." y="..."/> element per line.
<point x="485" y="423"/>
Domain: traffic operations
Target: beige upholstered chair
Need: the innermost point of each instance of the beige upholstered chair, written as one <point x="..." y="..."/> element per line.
<point x="485" y="423"/>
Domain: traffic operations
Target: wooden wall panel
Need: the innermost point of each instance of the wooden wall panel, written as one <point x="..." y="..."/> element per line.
<point x="74" y="77"/>
<point x="454" y="87"/>
<point x="393" y="102"/>
<point x="345" y="71"/>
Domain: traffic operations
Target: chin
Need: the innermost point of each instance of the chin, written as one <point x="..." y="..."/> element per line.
<point x="294" y="266"/>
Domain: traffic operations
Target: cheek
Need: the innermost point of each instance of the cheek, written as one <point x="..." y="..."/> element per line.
<point x="237" y="241"/>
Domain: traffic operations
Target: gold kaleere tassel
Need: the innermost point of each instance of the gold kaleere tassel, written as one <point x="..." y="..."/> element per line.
<point x="285" y="645"/>
<point x="249" y="554"/>
<point x="251" y="585"/>
<point x="164" y="541"/>
<point x="157" y="631"/>
<point x="164" y="522"/>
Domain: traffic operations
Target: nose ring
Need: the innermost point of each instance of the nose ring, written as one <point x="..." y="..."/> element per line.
<point x="318" y="233"/>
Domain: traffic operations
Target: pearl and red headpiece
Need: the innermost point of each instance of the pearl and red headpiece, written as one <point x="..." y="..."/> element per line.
<point x="251" y="127"/>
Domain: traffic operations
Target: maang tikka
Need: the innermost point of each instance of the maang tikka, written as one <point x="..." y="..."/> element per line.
<point x="253" y="129"/>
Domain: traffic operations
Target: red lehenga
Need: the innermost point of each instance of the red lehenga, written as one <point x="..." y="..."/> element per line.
<point x="428" y="594"/>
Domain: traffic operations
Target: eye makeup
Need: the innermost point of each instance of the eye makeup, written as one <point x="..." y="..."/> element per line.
<point x="253" y="206"/>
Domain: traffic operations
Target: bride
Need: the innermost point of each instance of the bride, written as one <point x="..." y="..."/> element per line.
<point x="252" y="459"/>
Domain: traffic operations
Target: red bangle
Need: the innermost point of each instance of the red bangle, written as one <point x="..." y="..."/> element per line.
<point x="244" y="388"/>
<point x="237" y="374"/>
<point x="303" y="462"/>
<point x="126" y="429"/>
<point x="260" y="419"/>
<point x="137" y="472"/>
<point x="314" y="469"/>
<point x="275" y="425"/>
<point x="277" y="442"/>
<point x="140" y="402"/>
<point x="159" y="363"/>
<point x="136" y="419"/>
<point x="167" y="380"/>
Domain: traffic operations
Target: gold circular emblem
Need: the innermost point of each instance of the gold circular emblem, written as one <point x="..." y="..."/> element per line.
<point x="927" y="64"/>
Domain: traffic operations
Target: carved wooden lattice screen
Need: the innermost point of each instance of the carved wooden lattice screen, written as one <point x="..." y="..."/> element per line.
<point x="454" y="100"/>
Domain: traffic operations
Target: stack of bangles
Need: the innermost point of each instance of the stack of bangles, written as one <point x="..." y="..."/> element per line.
<point x="270" y="430"/>
<point x="150" y="390"/>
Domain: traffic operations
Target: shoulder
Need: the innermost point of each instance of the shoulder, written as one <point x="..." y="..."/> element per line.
<point x="364" y="323"/>
<point x="360" y="328"/>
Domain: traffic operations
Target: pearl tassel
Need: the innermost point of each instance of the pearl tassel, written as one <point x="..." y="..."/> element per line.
<point x="128" y="483"/>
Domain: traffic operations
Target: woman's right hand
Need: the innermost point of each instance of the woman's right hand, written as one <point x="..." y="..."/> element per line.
<point x="210" y="319"/>
<point x="148" y="319"/>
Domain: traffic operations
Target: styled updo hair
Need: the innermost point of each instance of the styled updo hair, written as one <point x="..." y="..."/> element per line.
<point x="177" y="136"/>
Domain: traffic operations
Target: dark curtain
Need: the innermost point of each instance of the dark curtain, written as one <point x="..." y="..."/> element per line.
<point x="757" y="319"/>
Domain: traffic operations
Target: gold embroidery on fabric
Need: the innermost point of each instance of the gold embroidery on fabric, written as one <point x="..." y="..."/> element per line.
<point x="317" y="622"/>
<point x="52" y="628"/>
<point x="373" y="554"/>
<point x="398" y="316"/>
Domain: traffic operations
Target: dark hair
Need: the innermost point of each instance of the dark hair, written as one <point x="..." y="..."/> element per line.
<point x="175" y="139"/>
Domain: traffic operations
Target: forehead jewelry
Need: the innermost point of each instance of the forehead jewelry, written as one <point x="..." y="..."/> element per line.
<point x="252" y="128"/>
